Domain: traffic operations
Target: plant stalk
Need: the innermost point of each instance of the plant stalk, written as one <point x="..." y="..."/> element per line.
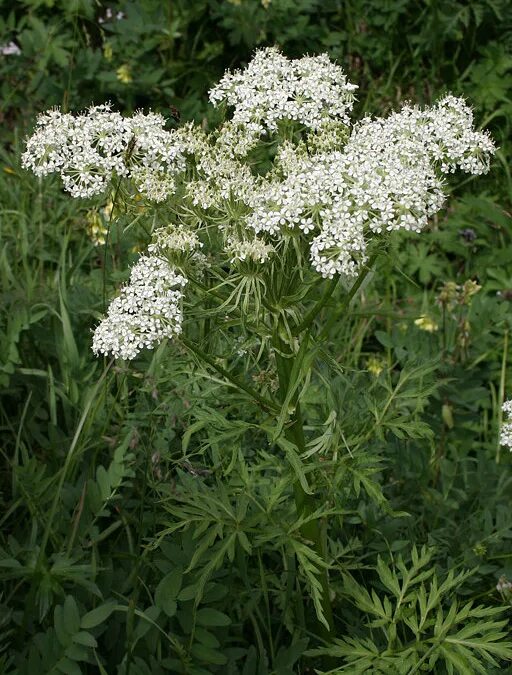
<point x="347" y="298"/>
<point x="305" y="503"/>
<point x="239" y="384"/>
<point x="501" y="393"/>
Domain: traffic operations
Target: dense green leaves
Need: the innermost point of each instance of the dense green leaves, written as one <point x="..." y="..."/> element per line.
<point x="416" y="627"/>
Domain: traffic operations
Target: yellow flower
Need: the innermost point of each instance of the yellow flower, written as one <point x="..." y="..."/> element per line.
<point x="375" y="365"/>
<point x="123" y="74"/>
<point x="469" y="289"/>
<point x="426" y="323"/>
<point x="108" y="51"/>
<point x="449" y="294"/>
<point x="95" y="227"/>
<point x="107" y="210"/>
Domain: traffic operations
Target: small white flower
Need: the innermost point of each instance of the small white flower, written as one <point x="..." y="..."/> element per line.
<point x="385" y="178"/>
<point x="10" y="49"/>
<point x="147" y="310"/>
<point x="311" y="91"/>
<point x="89" y="149"/>
<point x="506" y="429"/>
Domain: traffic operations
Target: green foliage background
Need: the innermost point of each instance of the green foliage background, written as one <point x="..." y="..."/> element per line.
<point x="147" y="526"/>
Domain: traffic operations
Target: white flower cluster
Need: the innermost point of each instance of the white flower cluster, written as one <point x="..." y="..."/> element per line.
<point x="254" y="250"/>
<point x="334" y="185"/>
<point x="147" y="310"/>
<point x="506" y="429"/>
<point x="384" y="179"/>
<point x="180" y="246"/>
<point x="174" y="239"/>
<point x="312" y="91"/>
<point x="221" y="176"/>
<point x="89" y="149"/>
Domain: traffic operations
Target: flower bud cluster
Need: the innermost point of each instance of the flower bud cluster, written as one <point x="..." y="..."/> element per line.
<point x="180" y="246"/>
<point x="88" y="150"/>
<point x="173" y="239"/>
<point x="220" y="175"/>
<point x="506" y="429"/>
<point x="147" y="310"/>
<point x="254" y="250"/>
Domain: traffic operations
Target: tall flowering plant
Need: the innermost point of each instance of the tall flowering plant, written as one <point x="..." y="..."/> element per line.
<point x="255" y="225"/>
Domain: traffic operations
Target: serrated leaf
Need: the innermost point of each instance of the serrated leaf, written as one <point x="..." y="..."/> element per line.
<point x="387" y="577"/>
<point x="293" y="457"/>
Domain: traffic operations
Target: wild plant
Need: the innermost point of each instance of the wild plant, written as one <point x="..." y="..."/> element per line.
<point x="261" y="232"/>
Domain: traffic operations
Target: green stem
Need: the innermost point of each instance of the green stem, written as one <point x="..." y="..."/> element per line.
<point x="347" y="298"/>
<point x="239" y="384"/>
<point x="315" y="310"/>
<point x="305" y="503"/>
<point x="425" y="657"/>
<point x="105" y="249"/>
<point x="501" y="393"/>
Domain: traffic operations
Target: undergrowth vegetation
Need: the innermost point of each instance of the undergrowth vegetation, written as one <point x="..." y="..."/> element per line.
<point x="150" y="521"/>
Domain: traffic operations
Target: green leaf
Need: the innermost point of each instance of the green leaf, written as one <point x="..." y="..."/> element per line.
<point x="292" y="455"/>
<point x="85" y="639"/>
<point x="206" y="616"/>
<point x="68" y="667"/>
<point x="208" y="655"/>
<point x="167" y="592"/>
<point x="147" y="621"/>
<point x="71" y="615"/>
<point x="103" y="480"/>
<point x="206" y="638"/>
<point x="387" y="577"/>
<point x="188" y="593"/>
<point x="300" y="370"/>
<point x="59" y="624"/>
<point x="97" y="616"/>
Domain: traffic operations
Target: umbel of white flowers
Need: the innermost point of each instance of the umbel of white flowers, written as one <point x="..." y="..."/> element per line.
<point x="333" y="184"/>
<point x="146" y="311"/>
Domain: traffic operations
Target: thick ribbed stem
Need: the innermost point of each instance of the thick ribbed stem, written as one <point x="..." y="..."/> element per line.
<point x="305" y="503"/>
